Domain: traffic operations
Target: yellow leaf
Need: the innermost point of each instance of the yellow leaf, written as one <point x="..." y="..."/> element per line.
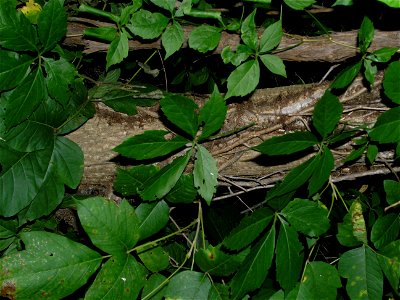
<point x="31" y="10"/>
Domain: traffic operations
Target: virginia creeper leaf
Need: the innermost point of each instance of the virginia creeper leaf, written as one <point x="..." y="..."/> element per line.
<point x="248" y="31"/>
<point x="387" y="127"/>
<point x="118" y="50"/>
<point x="392" y="190"/>
<point x="324" y="165"/>
<point x="391" y="3"/>
<point x="183" y="191"/>
<point x="327" y="113"/>
<point x="365" y="34"/>
<point x="299" y="4"/>
<point x="382" y="54"/>
<point x="106" y="33"/>
<point x="188" y="285"/>
<point x="346" y="76"/>
<point x="152" y="218"/>
<point x="244" y="79"/>
<point x="274" y="64"/>
<point x="113" y="229"/>
<point x="271" y="37"/>
<point x="172" y="39"/>
<point x="129" y="181"/>
<point x="148" y="25"/>
<point x="204" y="38"/>
<point x="390" y="82"/>
<point x="51" y="266"/>
<point x="166" y="4"/>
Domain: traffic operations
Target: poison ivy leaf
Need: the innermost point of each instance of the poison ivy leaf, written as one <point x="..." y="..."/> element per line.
<point x="158" y="185"/>
<point x="215" y="262"/>
<point x="51" y="266"/>
<point x="188" y="285"/>
<point x="346" y="76"/>
<point x="387" y="127"/>
<point x="274" y="64"/>
<point x="289" y="259"/>
<point x="183" y="191"/>
<point x="204" y="38"/>
<point x="358" y="222"/>
<point x="150" y="144"/>
<point x="148" y="25"/>
<point x="121" y="277"/>
<point x="389" y="261"/>
<point x="23" y="100"/>
<point x="113" y="229"/>
<point x="52" y="24"/>
<point x="248" y="31"/>
<point x="118" y="50"/>
<point x="106" y="33"/>
<point x="271" y="37"/>
<point x="13" y="68"/>
<point x="205" y="174"/>
<point x="152" y="218"/>
<point x="391" y="3"/>
<point x="166" y="4"/>
<point x="244" y="79"/>
<point x="345" y="234"/>
<point x="299" y="4"/>
<point x="249" y="229"/>
<point x="365" y="34"/>
<point x="154" y="258"/>
<point x="254" y="268"/>
<point x="385" y="230"/>
<point x="172" y="39"/>
<point x="382" y="54"/>
<point x="390" y="82"/>
<point x="307" y="217"/>
<point x="129" y="181"/>
<point x="364" y="276"/>
<point x="16" y="31"/>
<point x="60" y="74"/>
<point x="287" y="144"/>
<point x="324" y="165"/>
<point x="212" y="114"/>
<point x="153" y="288"/>
<point x="327" y="113"/>
<point x="181" y="111"/>
<point x="295" y="179"/>
<point x="392" y="190"/>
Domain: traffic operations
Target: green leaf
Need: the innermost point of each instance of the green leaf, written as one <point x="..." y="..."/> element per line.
<point x="271" y="37"/>
<point x="345" y="234"/>
<point x="8" y="228"/>
<point x="158" y="185"/>
<point x="181" y="111"/>
<point x="274" y="64"/>
<point x="218" y="292"/>
<point x="60" y="74"/>
<point x="152" y="218"/>
<point x="152" y="286"/>
<point x="121" y="277"/>
<point x="387" y="127"/>
<point x="391" y="80"/>
<point x="365" y="34"/>
<point x="150" y="144"/>
<point x="183" y="191"/>
<point x="287" y="144"/>
<point x="129" y="181"/>
<point x="22" y="101"/>
<point x="370" y="71"/>
<point x="172" y="39"/>
<point x="188" y="285"/>
<point x="327" y="113"/>
<point x="248" y="31"/>
<point x="204" y="38"/>
<point x="358" y="222"/>
<point x="154" y="258"/>
<point x="364" y="276"/>
<point x="389" y="261"/>
<point x="392" y="190"/>
<point x="13" y="68"/>
<point x="346" y="76"/>
<point x="372" y="152"/>
<point x="343" y="2"/>
<point x="212" y="115"/>
<point x="16" y="31"/>
<point x="391" y="3"/>
<point x="106" y="33"/>
<point x="324" y="165"/>
<point x="215" y="262"/>
<point x="385" y="230"/>
<point x="307" y="217"/>
<point x="320" y="281"/>
<point x="356" y="154"/>
<point x="51" y="266"/>
<point x="244" y="79"/>
<point x="296" y="178"/>
<point x="148" y="25"/>
<point x="118" y="50"/>
<point x="254" y="269"/>
<point x="205" y="174"/>
<point x="382" y="54"/>
<point x="52" y="24"/>
<point x="299" y="4"/>
<point x="249" y="229"/>
<point x="289" y="257"/>
<point x="236" y="58"/>
<point x="113" y="229"/>
<point x="166" y="4"/>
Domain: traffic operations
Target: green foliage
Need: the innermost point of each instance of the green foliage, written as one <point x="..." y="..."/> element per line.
<point x="167" y="238"/>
